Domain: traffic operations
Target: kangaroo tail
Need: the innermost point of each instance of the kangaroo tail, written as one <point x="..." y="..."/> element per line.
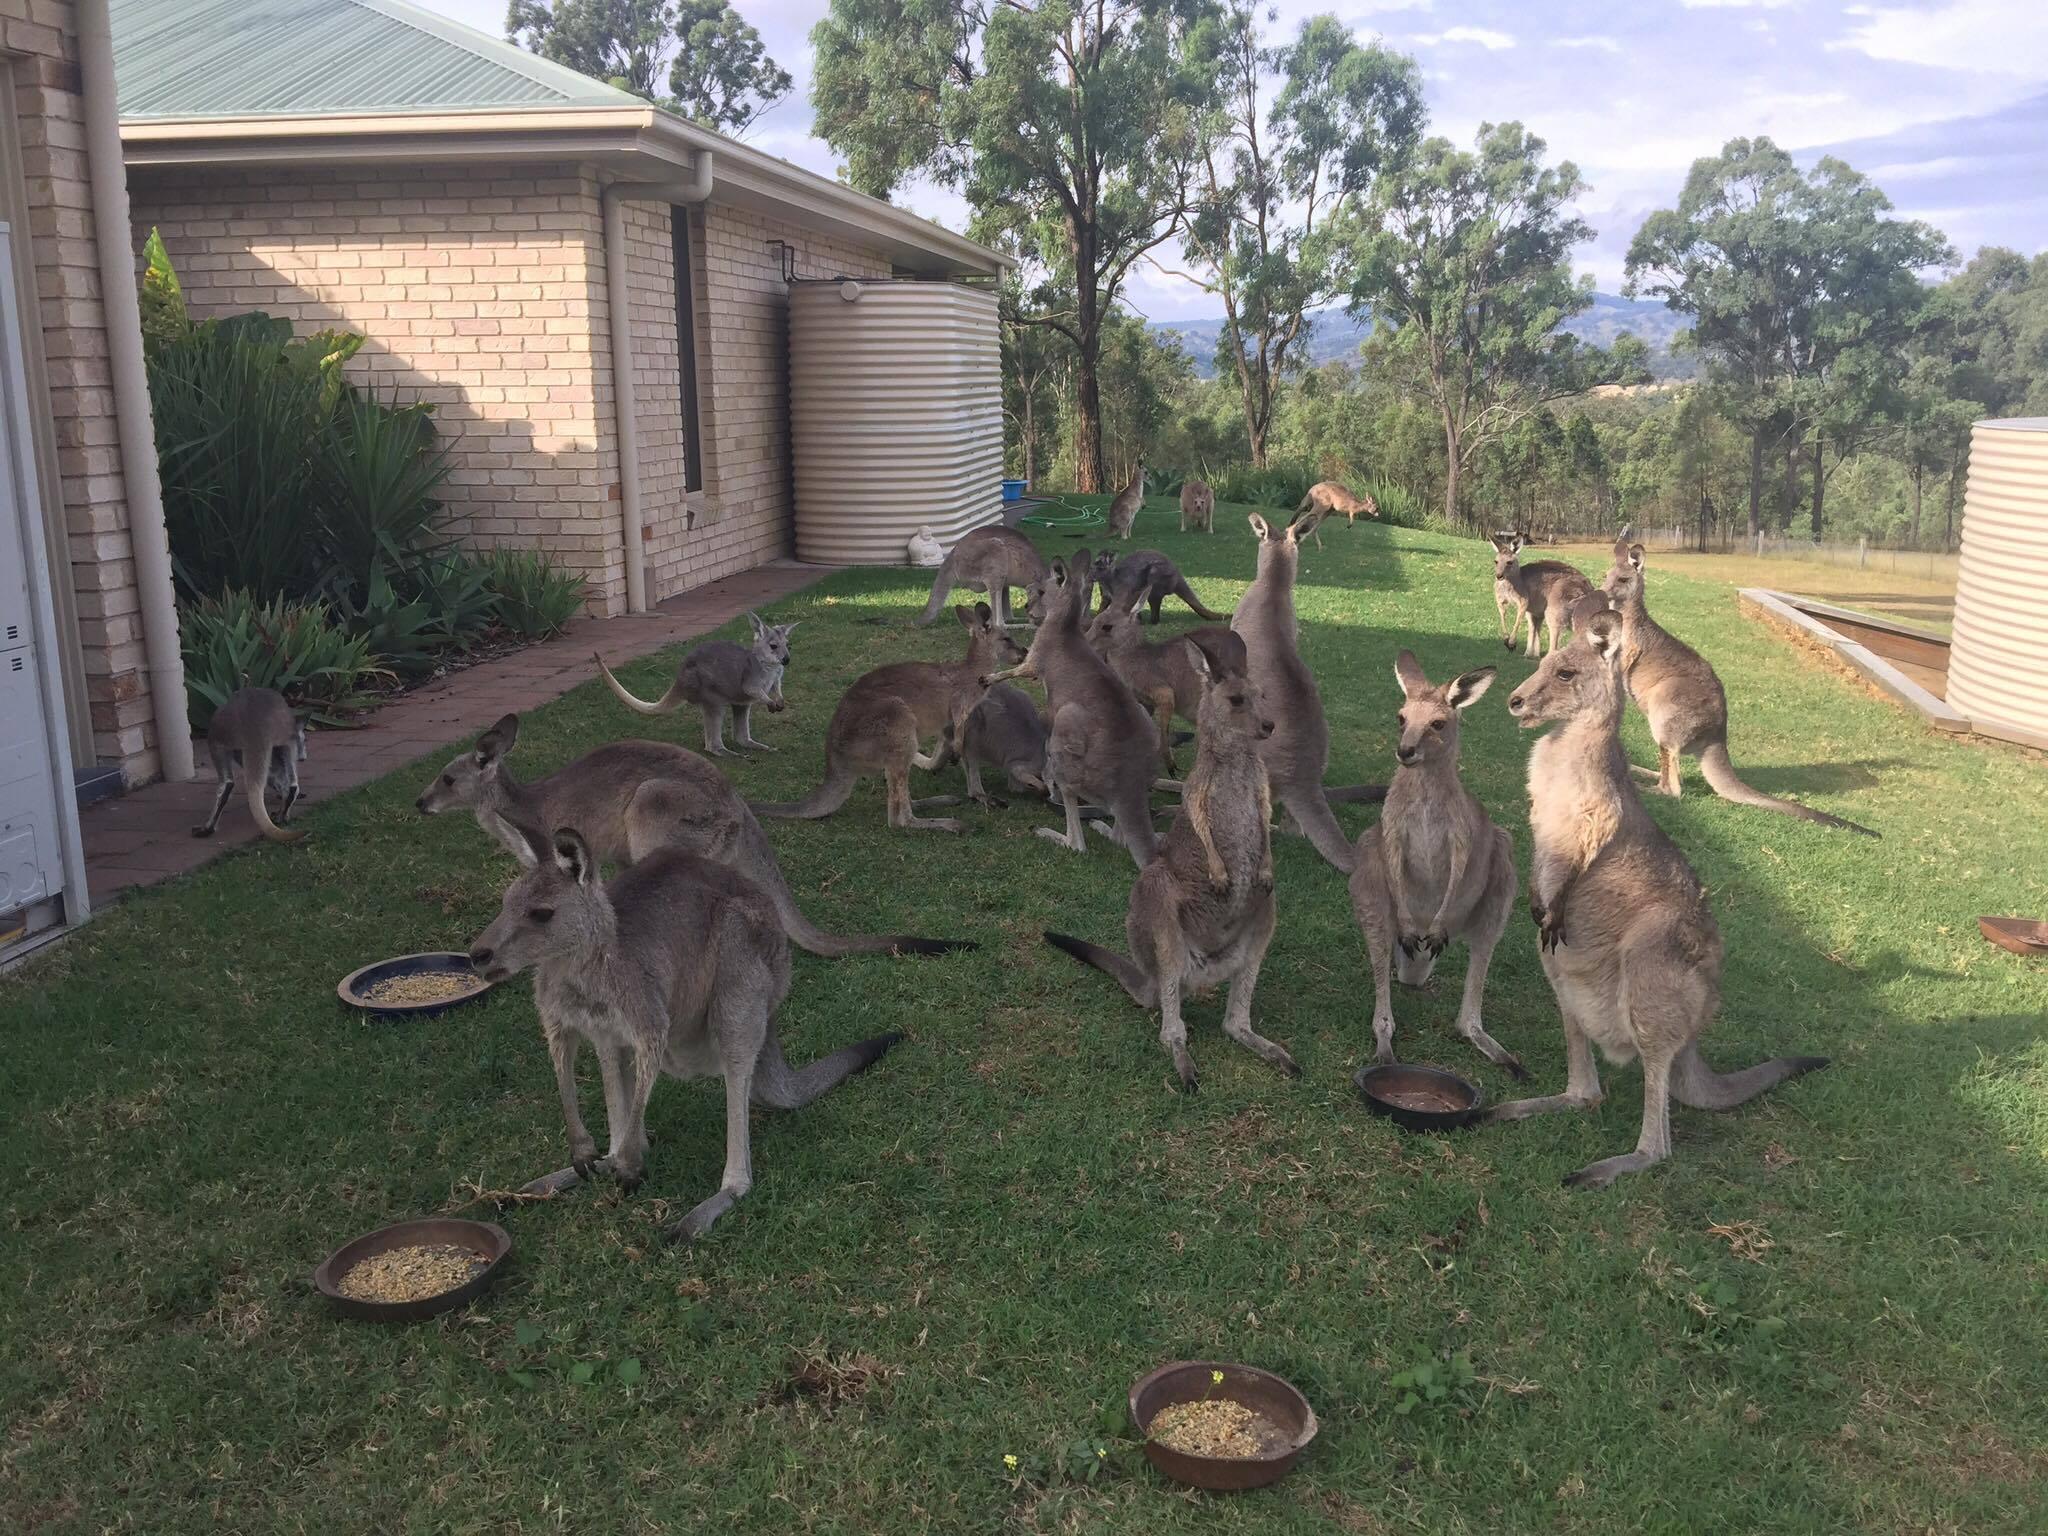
<point x="1312" y="812"/>
<point x="257" y="809"/>
<point x="1699" y="1086"/>
<point x="780" y="1086"/>
<point x="1186" y="594"/>
<point x="1354" y="794"/>
<point x="666" y="704"/>
<point x="942" y="588"/>
<point x="820" y="802"/>
<point x="1720" y="775"/>
<point x="1127" y="974"/>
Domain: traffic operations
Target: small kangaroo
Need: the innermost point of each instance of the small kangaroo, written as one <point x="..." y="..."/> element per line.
<point x="1147" y="575"/>
<point x="1123" y="511"/>
<point x="1326" y="498"/>
<point x="1004" y="731"/>
<point x="990" y="560"/>
<point x="1628" y="942"/>
<point x="719" y="676"/>
<point x="1545" y="592"/>
<point x="1435" y="868"/>
<point x="1681" y="696"/>
<point x="1103" y="741"/>
<point x="1297" y="754"/>
<point x="673" y="966"/>
<point x="1197" y="506"/>
<point x="1164" y="676"/>
<point x="886" y="713"/>
<point x="1202" y="913"/>
<point x="254" y="738"/>
<point x="633" y="798"/>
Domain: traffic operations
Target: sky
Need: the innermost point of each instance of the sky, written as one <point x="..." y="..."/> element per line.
<point x="1944" y="103"/>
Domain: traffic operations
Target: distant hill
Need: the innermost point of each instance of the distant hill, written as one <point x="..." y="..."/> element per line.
<point x="1335" y="336"/>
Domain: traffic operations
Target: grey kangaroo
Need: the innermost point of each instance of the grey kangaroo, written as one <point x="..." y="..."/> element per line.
<point x="1145" y="575"/>
<point x="1164" y="675"/>
<point x="631" y="798"/>
<point x="1197" y="506"/>
<point x="883" y="718"/>
<point x="1202" y="913"/>
<point x="674" y="966"/>
<point x="719" y="676"/>
<point x="1123" y="511"/>
<point x="1435" y="869"/>
<point x="255" y="740"/>
<point x="1681" y="696"/>
<point x="1003" y="732"/>
<point x="990" y="560"/>
<point x="1627" y="940"/>
<point x="1326" y="498"/>
<point x="1298" y="752"/>
<point x="1103" y="742"/>
<point x="1543" y="592"/>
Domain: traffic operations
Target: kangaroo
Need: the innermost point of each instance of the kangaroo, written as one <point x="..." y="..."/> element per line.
<point x="254" y="738"/>
<point x="1544" y="592"/>
<point x="1681" y="696"/>
<point x="632" y="798"/>
<point x="1197" y="506"/>
<point x="1164" y="676"/>
<point x="1123" y="511"/>
<point x="1435" y="868"/>
<point x="886" y="713"/>
<point x="1004" y="731"/>
<point x="719" y="676"/>
<point x="1102" y="739"/>
<point x="990" y="560"/>
<point x="1627" y="940"/>
<point x="1298" y="752"/>
<point x="1202" y="913"/>
<point x="1148" y="575"/>
<point x="1326" y="498"/>
<point x="673" y="966"/>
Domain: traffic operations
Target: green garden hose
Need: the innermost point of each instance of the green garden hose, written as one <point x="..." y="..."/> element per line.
<point x="1077" y="517"/>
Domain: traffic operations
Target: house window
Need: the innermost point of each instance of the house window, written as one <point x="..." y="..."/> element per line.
<point x="686" y="347"/>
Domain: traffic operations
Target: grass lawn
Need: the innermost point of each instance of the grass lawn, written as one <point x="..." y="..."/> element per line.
<point x="1912" y="588"/>
<point x="1824" y="1314"/>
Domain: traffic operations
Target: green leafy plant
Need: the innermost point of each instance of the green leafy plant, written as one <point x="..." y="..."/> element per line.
<point x="1716" y="1325"/>
<point x="1433" y="1383"/>
<point x="380" y="467"/>
<point x="1277" y="485"/>
<point x="456" y="587"/>
<point x="401" y="630"/>
<point x="234" y="641"/>
<point x="531" y="597"/>
<point x="537" y="1361"/>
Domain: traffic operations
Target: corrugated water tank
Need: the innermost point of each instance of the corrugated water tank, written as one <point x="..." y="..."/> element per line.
<point x="896" y="416"/>
<point x="1995" y="671"/>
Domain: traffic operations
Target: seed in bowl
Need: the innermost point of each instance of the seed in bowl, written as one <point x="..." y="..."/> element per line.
<point x="422" y="987"/>
<point x="412" y="1273"/>
<point x="1216" y="1427"/>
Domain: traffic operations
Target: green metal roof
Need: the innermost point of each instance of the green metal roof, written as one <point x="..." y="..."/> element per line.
<point x="297" y="58"/>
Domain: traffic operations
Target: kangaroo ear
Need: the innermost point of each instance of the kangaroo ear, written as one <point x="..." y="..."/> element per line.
<point x="1603" y="634"/>
<point x="1408" y="673"/>
<point x="572" y="856"/>
<point x="964" y="614"/>
<point x="497" y="741"/>
<point x="1635" y="556"/>
<point x="755" y="620"/>
<point x="532" y="846"/>
<point x="789" y="629"/>
<point x="1304" y="525"/>
<point x="983" y="613"/>
<point x="1259" y="525"/>
<point x="1469" y="688"/>
<point x="1200" y="660"/>
<point x="1220" y="652"/>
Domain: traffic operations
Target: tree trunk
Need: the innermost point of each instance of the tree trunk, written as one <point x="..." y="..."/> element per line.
<point x="1090" y="476"/>
<point x="1788" y="491"/>
<point x="1918" y="473"/>
<point x="1030" y="440"/>
<point x="1955" y="484"/>
<point x="1820" y="483"/>
<point x="1450" y="471"/>
<point x="1756" y="480"/>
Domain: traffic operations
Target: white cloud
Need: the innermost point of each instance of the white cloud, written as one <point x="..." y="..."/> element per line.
<point x="1481" y="37"/>
<point x="1996" y="37"/>
<point x="1604" y="44"/>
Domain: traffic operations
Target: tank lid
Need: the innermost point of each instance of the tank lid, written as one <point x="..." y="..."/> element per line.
<point x="2015" y="424"/>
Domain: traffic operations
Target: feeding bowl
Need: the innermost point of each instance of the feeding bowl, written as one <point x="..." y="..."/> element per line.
<point x="1190" y="1381"/>
<point x="2021" y="935"/>
<point x="487" y="1240"/>
<point x="359" y="988"/>
<point x="1418" y="1098"/>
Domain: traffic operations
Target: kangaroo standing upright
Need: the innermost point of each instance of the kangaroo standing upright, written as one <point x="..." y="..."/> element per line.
<point x="1197" y="506"/>
<point x="256" y="740"/>
<point x="1681" y="696"/>
<point x="719" y="676"/>
<point x="1435" y="868"/>
<point x="1298" y="752"/>
<point x="631" y="798"/>
<point x="1545" y="592"/>
<point x="1123" y="511"/>
<point x="990" y="560"/>
<point x="1627" y="940"/>
<point x="1202" y="913"/>
<point x="675" y="966"/>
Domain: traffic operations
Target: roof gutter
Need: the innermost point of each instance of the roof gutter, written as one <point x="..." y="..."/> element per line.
<point x="148" y="541"/>
<point x="618" y="307"/>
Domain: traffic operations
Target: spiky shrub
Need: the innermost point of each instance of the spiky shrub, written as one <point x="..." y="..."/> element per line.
<point x="235" y="641"/>
<point x="532" y="597"/>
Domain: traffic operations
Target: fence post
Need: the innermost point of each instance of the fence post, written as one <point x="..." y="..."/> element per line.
<point x="1862" y="552"/>
<point x="1759" y="543"/>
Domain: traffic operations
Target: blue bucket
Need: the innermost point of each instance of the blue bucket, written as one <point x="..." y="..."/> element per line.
<point x="1013" y="490"/>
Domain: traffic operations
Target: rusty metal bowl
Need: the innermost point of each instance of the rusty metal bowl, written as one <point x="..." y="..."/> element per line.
<point x="353" y="988"/>
<point x="1418" y="1098"/>
<point x="1191" y="1381"/>
<point x="2021" y="935"/>
<point x="487" y="1239"/>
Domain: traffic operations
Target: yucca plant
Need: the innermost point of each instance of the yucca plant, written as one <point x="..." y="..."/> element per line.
<point x="533" y="598"/>
<point x="379" y="466"/>
<point x="234" y="641"/>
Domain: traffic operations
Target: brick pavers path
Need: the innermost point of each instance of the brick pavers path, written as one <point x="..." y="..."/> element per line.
<point x="145" y="836"/>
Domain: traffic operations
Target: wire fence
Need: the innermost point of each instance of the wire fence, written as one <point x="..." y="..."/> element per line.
<point x="1927" y="564"/>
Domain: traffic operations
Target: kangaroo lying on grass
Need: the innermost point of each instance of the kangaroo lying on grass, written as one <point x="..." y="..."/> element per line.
<point x="1144" y="575"/>
<point x="1103" y="742"/>
<point x="1164" y="676"/>
<point x="1681" y="696"/>
<point x="990" y="560"/>
<point x="1197" y="506"/>
<point x="1326" y="498"/>
<point x="884" y="716"/>
<point x="719" y="676"/>
<point x="1298" y="752"/>
<point x="1544" y="592"/>
<point x="1202" y="913"/>
<point x="254" y="739"/>
<point x="632" y="798"/>
<point x="1628" y="942"/>
<point x="1435" y="868"/>
<point x="674" y="966"/>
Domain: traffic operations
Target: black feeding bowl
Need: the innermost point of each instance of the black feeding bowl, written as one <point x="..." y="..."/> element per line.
<point x="356" y="987"/>
<point x="1418" y="1098"/>
<point x="487" y="1240"/>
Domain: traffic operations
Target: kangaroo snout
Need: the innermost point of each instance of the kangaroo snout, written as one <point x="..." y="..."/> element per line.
<point x="1265" y="728"/>
<point x="1406" y="753"/>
